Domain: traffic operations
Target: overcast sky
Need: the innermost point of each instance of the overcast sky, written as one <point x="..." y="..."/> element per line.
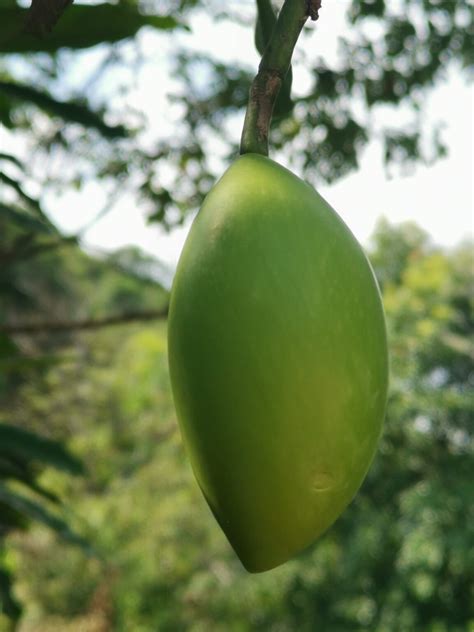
<point x="439" y="198"/>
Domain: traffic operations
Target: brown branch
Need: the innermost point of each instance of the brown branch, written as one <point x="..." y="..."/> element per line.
<point x="313" y="9"/>
<point x="85" y="324"/>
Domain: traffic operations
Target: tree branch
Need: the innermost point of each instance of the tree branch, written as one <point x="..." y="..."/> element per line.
<point x="272" y="71"/>
<point x="85" y="324"/>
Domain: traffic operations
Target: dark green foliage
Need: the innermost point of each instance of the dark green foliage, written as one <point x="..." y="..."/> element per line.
<point x="400" y="557"/>
<point x="130" y="279"/>
<point x="19" y="444"/>
<point x="68" y="111"/>
<point x="81" y="26"/>
<point x="10" y="158"/>
<point x="20" y="453"/>
<point x="44" y="14"/>
<point x="31" y="203"/>
<point x="22" y="218"/>
<point x="9" y="605"/>
<point x="323" y="130"/>
<point x="24" y="507"/>
<point x="48" y="288"/>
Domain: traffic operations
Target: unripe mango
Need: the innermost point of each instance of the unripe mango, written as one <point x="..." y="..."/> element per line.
<point x="278" y="360"/>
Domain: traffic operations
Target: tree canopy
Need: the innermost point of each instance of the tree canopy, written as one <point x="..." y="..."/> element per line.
<point x="67" y="131"/>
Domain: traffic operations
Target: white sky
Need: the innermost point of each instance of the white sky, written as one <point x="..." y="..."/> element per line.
<point x="439" y="198"/>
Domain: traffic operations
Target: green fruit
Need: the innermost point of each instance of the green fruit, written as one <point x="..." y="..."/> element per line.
<point x="278" y="360"/>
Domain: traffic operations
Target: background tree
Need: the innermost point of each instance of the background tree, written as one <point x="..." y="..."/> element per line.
<point x="399" y="558"/>
<point x="76" y="126"/>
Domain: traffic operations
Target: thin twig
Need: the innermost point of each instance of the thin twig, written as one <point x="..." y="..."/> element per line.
<point x="84" y="324"/>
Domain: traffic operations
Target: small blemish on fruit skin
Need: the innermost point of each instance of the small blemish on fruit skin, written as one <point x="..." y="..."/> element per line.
<point x="323" y="481"/>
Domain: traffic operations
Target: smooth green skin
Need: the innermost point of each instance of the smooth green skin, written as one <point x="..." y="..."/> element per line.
<point x="278" y="360"/>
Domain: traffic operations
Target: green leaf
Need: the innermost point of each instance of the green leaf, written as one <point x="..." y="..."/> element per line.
<point x="361" y="9"/>
<point x="401" y="147"/>
<point x="35" y="511"/>
<point x="8" y="604"/>
<point x="81" y="26"/>
<point x="16" y="186"/>
<point x="24" y="363"/>
<point x="7" y="347"/>
<point x="19" y="471"/>
<point x="23" y="444"/>
<point x="22" y="218"/>
<point x="67" y="110"/>
<point x="11" y="519"/>
<point x="10" y="291"/>
<point x="12" y="159"/>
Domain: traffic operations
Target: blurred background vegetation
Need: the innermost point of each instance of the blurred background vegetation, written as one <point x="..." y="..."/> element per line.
<point x="102" y="526"/>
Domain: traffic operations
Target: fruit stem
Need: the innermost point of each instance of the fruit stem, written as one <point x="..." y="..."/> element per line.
<point x="273" y="67"/>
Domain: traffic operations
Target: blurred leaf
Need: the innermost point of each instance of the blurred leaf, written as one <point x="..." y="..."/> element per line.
<point x="27" y="363"/>
<point x="6" y="117"/>
<point x="43" y="15"/>
<point x="81" y="26"/>
<point x="401" y="147"/>
<point x="67" y="110"/>
<point x="32" y="203"/>
<point x="8" y="604"/>
<point x="9" y="290"/>
<point x="7" y="346"/>
<point x="23" y="444"/>
<point x="12" y="159"/>
<point x="23" y="218"/>
<point x="11" y="519"/>
<point x="34" y="511"/>
<point x="16" y="470"/>
<point x="361" y="9"/>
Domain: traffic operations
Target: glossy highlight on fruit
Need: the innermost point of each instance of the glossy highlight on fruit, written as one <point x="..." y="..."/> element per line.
<point x="278" y="360"/>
